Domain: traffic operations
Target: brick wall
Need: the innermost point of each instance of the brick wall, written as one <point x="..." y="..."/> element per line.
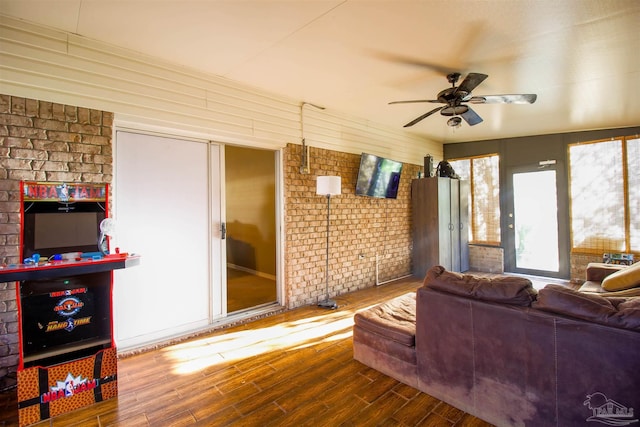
<point x="489" y="259"/>
<point x="362" y="229"/>
<point x="579" y="264"/>
<point x="41" y="141"/>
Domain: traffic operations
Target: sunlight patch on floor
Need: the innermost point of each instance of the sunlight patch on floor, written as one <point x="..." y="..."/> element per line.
<point x="202" y="353"/>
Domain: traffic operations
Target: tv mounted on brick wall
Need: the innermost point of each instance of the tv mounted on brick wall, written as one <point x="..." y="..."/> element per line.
<point x="378" y="177"/>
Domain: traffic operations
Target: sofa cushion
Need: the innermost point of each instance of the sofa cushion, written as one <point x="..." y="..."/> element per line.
<point x="502" y="289"/>
<point x="626" y="278"/>
<point x="618" y="312"/>
<point x="394" y="319"/>
<point x="597" y="271"/>
<point x="596" y="288"/>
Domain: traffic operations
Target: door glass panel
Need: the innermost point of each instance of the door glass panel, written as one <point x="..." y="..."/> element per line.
<point x="250" y="182"/>
<point x="536" y="220"/>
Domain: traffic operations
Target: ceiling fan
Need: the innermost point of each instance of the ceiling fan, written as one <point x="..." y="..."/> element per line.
<point x="456" y="99"/>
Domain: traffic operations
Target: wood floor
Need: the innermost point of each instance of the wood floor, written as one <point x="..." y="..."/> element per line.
<point x="245" y="290"/>
<point x="290" y="369"/>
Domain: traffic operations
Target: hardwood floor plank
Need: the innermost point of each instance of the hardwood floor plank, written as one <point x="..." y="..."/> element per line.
<point x="139" y="420"/>
<point x="264" y="398"/>
<point x="260" y="417"/>
<point x="343" y="412"/>
<point x="434" y="420"/>
<point x="348" y="387"/>
<point x="405" y="391"/>
<point x="253" y="376"/>
<point x="416" y="409"/>
<point x="347" y="369"/>
<point x="370" y="373"/>
<point x="376" y="389"/>
<point x="87" y="418"/>
<point x="303" y="415"/>
<point x="244" y="392"/>
<point x="307" y="386"/>
<point x="449" y="412"/>
<point x="166" y="418"/>
<point x="471" y="421"/>
<point x="206" y="416"/>
<point x="381" y="409"/>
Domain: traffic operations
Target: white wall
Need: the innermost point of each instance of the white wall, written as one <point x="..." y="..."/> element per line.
<point x="51" y="65"/>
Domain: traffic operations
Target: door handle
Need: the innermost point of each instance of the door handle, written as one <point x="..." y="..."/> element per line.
<point x="223" y="230"/>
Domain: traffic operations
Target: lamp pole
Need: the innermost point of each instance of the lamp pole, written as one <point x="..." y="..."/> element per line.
<point x="328" y="186"/>
<point x="327" y="303"/>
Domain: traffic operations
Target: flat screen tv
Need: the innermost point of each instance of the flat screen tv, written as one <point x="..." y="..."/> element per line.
<point x="378" y="177"/>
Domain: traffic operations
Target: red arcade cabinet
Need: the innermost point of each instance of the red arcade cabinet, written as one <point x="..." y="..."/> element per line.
<point x="64" y="293"/>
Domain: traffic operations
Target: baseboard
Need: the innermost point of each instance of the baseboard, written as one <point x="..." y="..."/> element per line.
<point x="251" y="271"/>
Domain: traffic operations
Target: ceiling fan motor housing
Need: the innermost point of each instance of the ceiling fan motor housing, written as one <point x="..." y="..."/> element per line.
<point x="454" y="110"/>
<point x="453" y="98"/>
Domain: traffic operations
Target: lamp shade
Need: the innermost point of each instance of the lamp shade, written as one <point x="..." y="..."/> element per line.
<point x="328" y="185"/>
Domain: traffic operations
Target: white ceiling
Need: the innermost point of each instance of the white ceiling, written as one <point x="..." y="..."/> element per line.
<point x="581" y="57"/>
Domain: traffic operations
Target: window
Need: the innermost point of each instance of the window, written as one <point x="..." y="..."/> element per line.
<point x="633" y="192"/>
<point x="483" y="174"/>
<point x="605" y="215"/>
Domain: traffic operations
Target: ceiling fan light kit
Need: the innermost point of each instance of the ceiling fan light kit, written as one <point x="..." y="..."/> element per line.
<point x="454" y="122"/>
<point x="456" y="98"/>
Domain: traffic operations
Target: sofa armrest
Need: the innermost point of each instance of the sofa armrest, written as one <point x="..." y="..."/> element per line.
<point x="597" y="271"/>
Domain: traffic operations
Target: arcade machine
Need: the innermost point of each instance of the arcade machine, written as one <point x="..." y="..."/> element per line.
<point x="67" y="353"/>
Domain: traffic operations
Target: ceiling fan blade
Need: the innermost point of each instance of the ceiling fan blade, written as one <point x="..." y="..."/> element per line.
<point x="523" y="98"/>
<point x="411" y="101"/>
<point x="441" y="69"/>
<point x="471" y="82"/>
<point x="424" y="116"/>
<point x="471" y="117"/>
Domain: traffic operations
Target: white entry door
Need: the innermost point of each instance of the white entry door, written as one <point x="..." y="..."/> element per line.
<point x="166" y="209"/>
<point x="533" y="223"/>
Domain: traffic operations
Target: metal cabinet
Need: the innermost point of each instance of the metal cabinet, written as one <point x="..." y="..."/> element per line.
<point x="440" y="224"/>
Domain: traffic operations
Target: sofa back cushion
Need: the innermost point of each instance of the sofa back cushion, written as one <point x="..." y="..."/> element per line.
<point x="617" y="312"/>
<point x="501" y="289"/>
<point x="625" y="278"/>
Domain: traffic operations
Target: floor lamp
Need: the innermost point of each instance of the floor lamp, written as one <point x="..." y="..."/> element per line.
<point x="328" y="186"/>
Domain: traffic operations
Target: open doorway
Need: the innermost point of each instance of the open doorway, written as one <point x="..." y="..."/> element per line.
<point x="250" y="187"/>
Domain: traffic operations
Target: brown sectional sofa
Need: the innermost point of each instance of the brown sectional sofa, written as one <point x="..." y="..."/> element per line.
<point x="501" y="351"/>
